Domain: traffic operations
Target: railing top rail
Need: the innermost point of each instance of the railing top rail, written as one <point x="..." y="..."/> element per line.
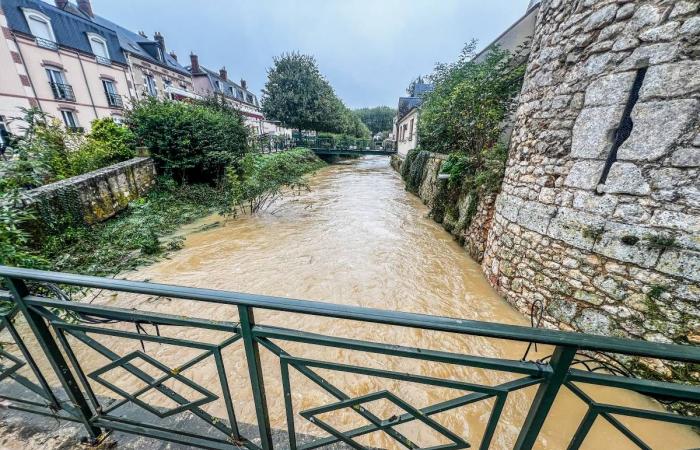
<point x="685" y="353"/>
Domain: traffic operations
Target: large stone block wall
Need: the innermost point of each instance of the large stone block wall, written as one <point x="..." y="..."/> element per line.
<point x="619" y="255"/>
<point x="95" y="196"/>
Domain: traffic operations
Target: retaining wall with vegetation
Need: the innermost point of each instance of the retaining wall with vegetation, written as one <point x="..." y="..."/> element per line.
<point x="609" y="244"/>
<point x="94" y="196"/>
<point x="466" y="217"/>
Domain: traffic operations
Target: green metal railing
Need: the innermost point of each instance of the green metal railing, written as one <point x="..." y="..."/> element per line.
<point x="57" y="326"/>
<point x="327" y="145"/>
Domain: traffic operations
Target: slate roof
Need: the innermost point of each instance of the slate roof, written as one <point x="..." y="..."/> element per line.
<point x="421" y="89"/>
<point x="214" y="76"/>
<point x="406" y="104"/>
<point x="141" y="46"/>
<point x="69" y="28"/>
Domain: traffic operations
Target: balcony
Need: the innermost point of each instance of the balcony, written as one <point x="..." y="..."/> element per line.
<point x="62" y="91"/>
<point x="114" y="100"/>
<point x="47" y="44"/>
<point x="104" y="61"/>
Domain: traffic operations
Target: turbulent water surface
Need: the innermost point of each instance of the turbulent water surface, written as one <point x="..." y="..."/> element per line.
<point x="356" y="238"/>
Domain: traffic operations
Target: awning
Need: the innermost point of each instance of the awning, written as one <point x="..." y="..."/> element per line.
<point x="181" y="92"/>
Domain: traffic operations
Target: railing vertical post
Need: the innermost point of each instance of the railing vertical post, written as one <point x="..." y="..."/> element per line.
<point x="544" y="398"/>
<point x="252" y="354"/>
<point x="41" y="331"/>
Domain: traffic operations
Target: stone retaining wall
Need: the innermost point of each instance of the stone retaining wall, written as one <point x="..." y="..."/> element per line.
<point x="616" y="255"/>
<point x="472" y="235"/>
<point x="95" y="196"/>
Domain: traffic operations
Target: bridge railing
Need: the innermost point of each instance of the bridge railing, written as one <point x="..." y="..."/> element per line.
<point x="271" y="144"/>
<point x="48" y="340"/>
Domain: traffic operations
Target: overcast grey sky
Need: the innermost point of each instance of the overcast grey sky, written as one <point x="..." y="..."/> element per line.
<point x="368" y="49"/>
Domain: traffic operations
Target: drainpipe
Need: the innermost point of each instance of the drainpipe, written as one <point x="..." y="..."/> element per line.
<point x="131" y="73"/>
<point x="92" y="100"/>
<point x="29" y="77"/>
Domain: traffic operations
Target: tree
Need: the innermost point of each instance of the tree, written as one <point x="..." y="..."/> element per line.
<point x="377" y="119"/>
<point x="298" y="95"/>
<point x="470" y="102"/>
<point x="190" y="141"/>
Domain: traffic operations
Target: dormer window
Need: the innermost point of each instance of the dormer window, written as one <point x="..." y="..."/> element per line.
<point x="99" y="48"/>
<point x="40" y="27"/>
<point x="219" y="88"/>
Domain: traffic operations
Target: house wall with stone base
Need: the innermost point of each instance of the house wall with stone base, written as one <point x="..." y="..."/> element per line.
<point x="599" y="222"/>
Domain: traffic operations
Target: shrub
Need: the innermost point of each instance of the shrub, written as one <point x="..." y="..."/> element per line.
<point x="261" y="179"/>
<point x="470" y="101"/>
<point x="108" y="143"/>
<point x="14" y="240"/>
<point x="46" y="152"/>
<point x="190" y="141"/>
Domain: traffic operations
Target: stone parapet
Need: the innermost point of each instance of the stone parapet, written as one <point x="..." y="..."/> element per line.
<point x="94" y="196"/>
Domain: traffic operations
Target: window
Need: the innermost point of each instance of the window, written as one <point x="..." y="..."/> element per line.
<point x="230" y="91"/>
<point x="61" y="90"/>
<point x="410" y="131"/>
<point x="113" y="99"/>
<point x="69" y="119"/>
<point x="249" y="98"/>
<point x="219" y="88"/>
<point x="150" y="83"/>
<point x="40" y="27"/>
<point x="239" y="94"/>
<point x="99" y="48"/>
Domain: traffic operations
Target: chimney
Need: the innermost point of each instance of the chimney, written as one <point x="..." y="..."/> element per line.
<point x="160" y="40"/>
<point x="142" y="34"/>
<point x="223" y="74"/>
<point x="173" y="55"/>
<point x="244" y="84"/>
<point x="61" y="4"/>
<point x="194" y="63"/>
<point x="85" y="7"/>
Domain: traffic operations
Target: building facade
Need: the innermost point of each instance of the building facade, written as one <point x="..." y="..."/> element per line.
<point x="153" y="71"/>
<point x="208" y="83"/>
<point x="408" y="114"/>
<point x="60" y="62"/>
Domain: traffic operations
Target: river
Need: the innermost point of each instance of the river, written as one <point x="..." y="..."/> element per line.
<point x="358" y="238"/>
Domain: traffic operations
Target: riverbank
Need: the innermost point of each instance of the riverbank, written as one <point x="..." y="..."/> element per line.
<point x="142" y="233"/>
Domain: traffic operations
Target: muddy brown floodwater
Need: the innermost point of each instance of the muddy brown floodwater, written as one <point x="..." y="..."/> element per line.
<point x="358" y="238"/>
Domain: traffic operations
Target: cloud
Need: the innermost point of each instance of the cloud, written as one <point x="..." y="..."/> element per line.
<point x="368" y="49"/>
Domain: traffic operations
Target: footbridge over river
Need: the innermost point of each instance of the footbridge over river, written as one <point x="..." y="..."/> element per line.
<point x="326" y="145"/>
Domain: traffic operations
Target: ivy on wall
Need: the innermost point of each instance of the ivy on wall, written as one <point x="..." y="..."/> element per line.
<point x="465" y="117"/>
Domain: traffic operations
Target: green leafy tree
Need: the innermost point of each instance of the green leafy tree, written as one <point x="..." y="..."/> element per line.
<point x="190" y="141"/>
<point x="466" y="110"/>
<point x="377" y="119"/>
<point x="300" y="97"/>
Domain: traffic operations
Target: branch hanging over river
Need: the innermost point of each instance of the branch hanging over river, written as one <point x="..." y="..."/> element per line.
<point x="262" y="179"/>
